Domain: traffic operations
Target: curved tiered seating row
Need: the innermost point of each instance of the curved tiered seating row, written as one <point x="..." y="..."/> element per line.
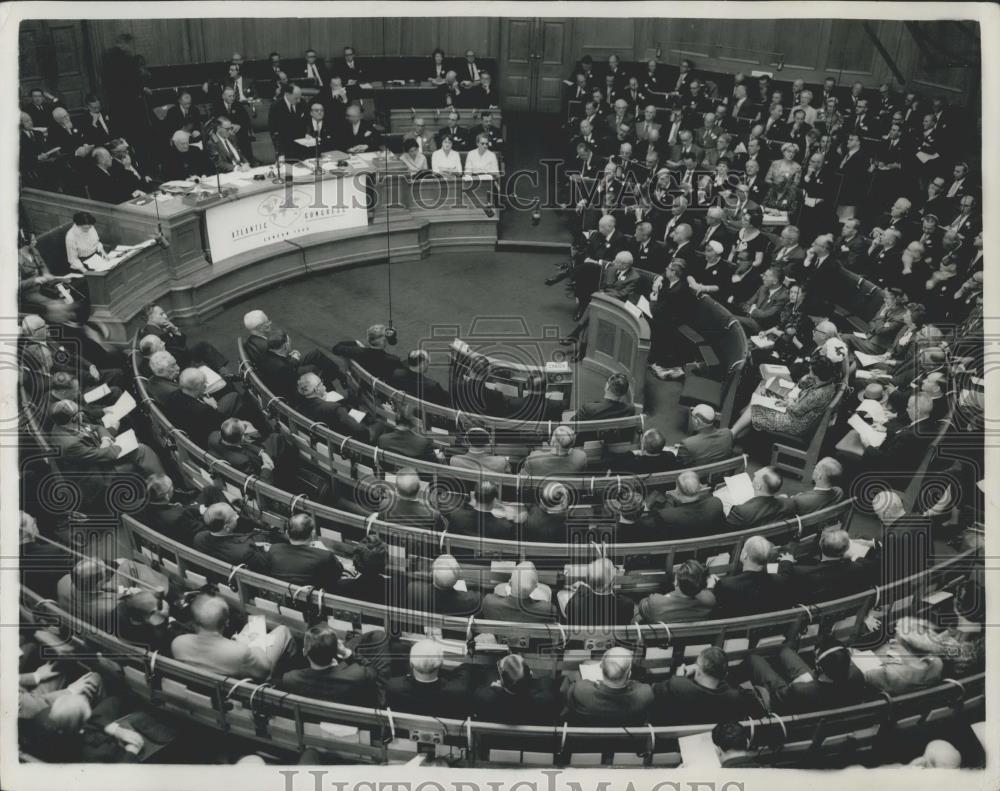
<point x="282" y="720"/>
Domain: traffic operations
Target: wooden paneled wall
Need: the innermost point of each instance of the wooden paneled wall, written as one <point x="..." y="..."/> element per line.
<point x="809" y="48"/>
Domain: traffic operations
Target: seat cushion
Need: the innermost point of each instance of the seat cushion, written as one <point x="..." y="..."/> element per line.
<point x="699" y="390"/>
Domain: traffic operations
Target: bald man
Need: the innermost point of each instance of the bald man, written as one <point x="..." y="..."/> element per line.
<point x="408" y="505"/>
<point x="690" y="511"/>
<point x="559" y="458"/>
<point x="708" y="442"/>
<point x="184" y="161"/>
<point x="826" y="474"/>
<point x="195" y="412"/>
<point x="764" y="507"/>
<point x="617" y="700"/>
<point x="752" y="589"/>
<point x="207" y="648"/>
<point x="525" y="602"/>
<point x="429" y="688"/>
<point x="219" y="539"/>
<point x="938" y="754"/>
<point x="445" y="593"/>
<point x="903" y="450"/>
<point x="593" y="601"/>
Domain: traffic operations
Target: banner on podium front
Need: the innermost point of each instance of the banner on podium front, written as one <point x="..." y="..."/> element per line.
<point x="286" y="212"/>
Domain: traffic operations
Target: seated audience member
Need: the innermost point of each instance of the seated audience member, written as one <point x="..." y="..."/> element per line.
<point x="825" y="492"/>
<point x="764" y="507"/>
<point x="904" y="447"/>
<point x="184" y="161"/>
<point x="481" y="160"/>
<point x="446" y="161"/>
<point x="71" y="730"/>
<point x="406" y="438"/>
<point x="699" y="692"/>
<point x="546" y="519"/>
<point x="258" y="325"/>
<point x="90" y="592"/>
<point x="956" y="634"/>
<point x="458" y="134"/>
<point x="158" y="323"/>
<point x="103" y="184"/>
<point x="525" y="601"/>
<point x="494" y="135"/>
<point x="906" y="662"/>
<point x="761" y="312"/>
<point x="559" y="458"/>
<point x="414" y="159"/>
<point x="238" y="656"/>
<point x="938" y="754"/>
<point x="82" y="242"/>
<point x="233" y="445"/>
<point x="163" y="382"/>
<point x="91" y="449"/>
<point x="617" y="700"/>
<point x="303" y="560"/>
<point x="517" y="697"/>
<point x="144" y="620"/>
<point x="752" y="589"/>
<point x="593" y="601"/>
<point x="832" y="683"/>
<point x="338" y="674"/>
<point x="478" y="456"/>
<point x="357" y="135"/>
<point x="650" y="456"/>
<point x="477" y="518"/>
<point x="429" y="688"/>
<point x="312" y="403"/>
<point x="413" y="379"/>
<point x="690" y="599"/>
<point x="442" y="594"/>
<point x="408" y="506"/>
<point x="193" y="411"/>
<point x="371" y="583"/>
<point x="803" y="407"/>
<point x="708" y="443"/>
<point x="278" y="366"/>
<point x="164" y="514"/>
<point x="615" y="403"/>
<point x="832" y="576"/>
<point x="219" y="539"/>
<point x="373" y="358"/>
<point x="884" y="325"/>
<point x="690" y="511"/>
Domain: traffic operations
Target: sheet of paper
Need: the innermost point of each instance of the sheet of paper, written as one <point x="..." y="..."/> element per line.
<point x="358" y="415"/>
<point x="213" y="382"/>
<point x="633" y="309"/>
<point x="767" y="370"/>
<point x="924" y="157"/>
<point x="122" y="407"/>
<point x="64" y="293"/>
<point x="333" y="396"/>
<point x="869" y="359"/>
<point x="127" y="442"/>
<point x="740" y="487"/>
<point x="698" y="751"/>
<point x="644" y="306"/>
<point x="461" y="586"/>
<point x="96" y="394"/>
<point x="554" y="395"/>
<point x="856" y="550"/>
<point x="591" y="671"/>
<point x="761" y="341"/>
<point x="767" y="402"/>
<point x="860" y="334"/>
<point x="772" y="568"/>
<point x="865" y="660"/>
<point x="868" y="435"/>
<point x="810" y="202"/>
<point x="536" y="595"/>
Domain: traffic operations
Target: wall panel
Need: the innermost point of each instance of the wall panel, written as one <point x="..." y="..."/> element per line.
<point x="801" y="41"/>
<point x="850" y="48"/>
<point x="601" y="37"/>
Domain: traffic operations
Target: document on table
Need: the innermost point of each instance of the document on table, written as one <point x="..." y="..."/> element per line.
<point x="461" y="586"/>
<point x="740" y="488"/>
<point x="122" y="407"/>
<point x="767" y="402"/>
<point x="358" y="415"/>
<point x="811" y="202"/>
<point x="333" y="396"/>
<point x="644" y="306"/>
<point x="591" y="671"/>
<point x="127" y="443"/>
<point x="96" y="394"/>
<point x="633" y="309"/>
<point x="213" y="382"/>
<point x="698" y="751"/>
<point x="868" y="435"/>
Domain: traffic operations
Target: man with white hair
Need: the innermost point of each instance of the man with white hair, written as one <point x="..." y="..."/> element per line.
<point x="593" y="601"/>
<point x="833" y="574"/>
<point x="525" y="601"/>
<point x="195" y="412"/>
<point x="373" y="355"/>
<point x="617" y="700"/>
<point x="938" y="754"/>
<point x="163" y="382"/>
<point x="185" y="161"/>
<point x="258" y="325"/>
<point x="560" y="458"/>
<point x="64" y="135"/>
<point x="219" y="539"/>
<point x="429" y="688"/>
<point x="752" y="589"/>
<point x="825" y="492"/>
<point x="445" y="593"/>
<point x="708" y="442"/>
<point x="425" y="140"/>
<point x="312" y="402"/>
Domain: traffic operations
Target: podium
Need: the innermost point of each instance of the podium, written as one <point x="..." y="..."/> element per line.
<point x="617" y="343"/>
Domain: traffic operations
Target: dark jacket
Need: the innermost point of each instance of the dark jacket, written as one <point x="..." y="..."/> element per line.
<point x="589" y="608"/>
<point x="407" y="443"/>
<point x="304" y="565"/>
<point x="507" y="608"/>
<point x="681" y="700"/>
<point x="196" y="418"/>
<point x="750" y="592"/>
<point x="825" y="581"/>
<point x="425" y="597"/>
<point x="812" y="500"/>
<point x="378" y="362"/>
<point x="589" y="704"/>
<point x="705" y="447"/>
<point x="604" y="409"/>
<point x="702" y="517"/>
<point x="235" y="548"/>
<point x="468" y="521"/>
<point x="350" y="683"/>
<point x="759" y="510"/>
<point x="446" y="697"/>
<point x="537" y="703"/>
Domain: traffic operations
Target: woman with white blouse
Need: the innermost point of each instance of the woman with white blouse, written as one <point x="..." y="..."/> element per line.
<point x="481" y="160"/>
<point x="82" y="242"/>
<point x="445" y="160"/>
<point x="411" y="157"/>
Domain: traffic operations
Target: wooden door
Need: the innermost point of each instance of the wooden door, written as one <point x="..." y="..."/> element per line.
<point x="535" y="54"/>
<point x="52" y="56"/>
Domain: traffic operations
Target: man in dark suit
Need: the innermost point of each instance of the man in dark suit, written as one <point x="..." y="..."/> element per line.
<point x="699" y="693"/>
<point x="593" y="602"/>
<point x="236" y="112"/>
<point x="615" y="403"/>
<point x="752" y="590"/>
<point x="428" y="688"/>
<point x="708" y="443"/>
<point x="546" y="520"/>
<point x="219" y="539"/>
<point x="715" y="231"/>
<point x="904" y="448"/>
<point x="647" y="253"/>
<point x="764" y="507"/>
<point x="525" y="602"/>
<point x="40" y="106"/>
<point x="487" y="127"/>
<point x="407" y="440"/>
<point x="300" y="561"/>
<point x="351" y="71"/>
<point x="98" y="128"/>
<point x="617" y="700"/>
<point x="517" y="697"/>
<point x="443" y="594"/>
<point x="315" y="72"/>
<point x="763" y="310"/>
<point x="166" y="515"/>
<point x="277" y="367"/>
<point x="337" y="674"/>
<point x="318" y="130"/>
<point x="795" y="688"/>
<point x="413" y="379"/>
<point x="358" y="136"/>
<point x="833" y="575"/>
<point x="476" y="519"/>
<point x="222" y="147"/>
<point x="314" y="404"/>
<point x="407" y="506"/>
<point x="690" y="511"/>
<point x="183" y="160"/>
<point x="649" y="458"/>
<point x="184" y="115"/>
<point x="825" y="492"/>
<point x="163" y="381"/>
<point x="191" y="410"/>
<point x="786" y="251"/>
<point x="855" y="178"/>
<point x="102" y="184"/>
<point x="459" y="134"/>
<point x="482" y="95"/>
<point x="231" y="444"/>
<point x="285" y="119"/>
<point x="851" y="247"/>
<point x="373" y="358"/>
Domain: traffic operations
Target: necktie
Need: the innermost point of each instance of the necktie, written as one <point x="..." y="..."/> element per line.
<point x="99" y="121"/>
<point x="313" y="73"/>
<point x="233" y="152"/>
<point x="953" y="189"/>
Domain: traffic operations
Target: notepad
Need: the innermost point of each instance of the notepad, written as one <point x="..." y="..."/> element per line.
<point x="633" y="309"/>
<point x="333" y="396"/>
<point x="591" y="671"/>
<point x="461" y="586"/>
<point x="64" y="293"/>
<point x="127" y="442"/>
<point x="772" y="568"/>
<point x="122" y="407"/>
<point x="740" y="488"/>
<point x="867" y="360"/>
<point x="213" y="382"/>
<point x="868" y="435"/>
<point x="96" y="394"/>
<point x="698" y="751"/>
<point x="358" y="415"/>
